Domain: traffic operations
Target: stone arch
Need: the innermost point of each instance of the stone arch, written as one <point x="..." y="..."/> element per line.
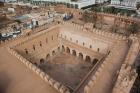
<point x="53" y="53"/>
<point x="74" y="52"/>
<point x="63" y="48"/>
<point x="80" y="55"/>
<point x="94" y="61"/>
<point x="90" y="46"/>
<point x="40" y="43"/>
<point x="88" y="59"/>
<point x="83" y="44"/>
<point x="34" y="47"/>
<point x="48" y="57"/>
<point x="58" y="48"/>
<point x="68" y="50"/>
<point x="42" y="61"/>
<point x="98" y="49"/>
<point x="26" y="51"/>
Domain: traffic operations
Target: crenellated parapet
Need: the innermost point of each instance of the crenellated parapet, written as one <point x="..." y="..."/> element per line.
<point x="97" y="32"/>
<point x="125" y="80"/>
<point x="58" y="86"/>
<point x="127" y="74"/>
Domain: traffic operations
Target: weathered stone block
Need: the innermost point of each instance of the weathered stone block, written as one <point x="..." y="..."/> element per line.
<point x="51" y="81"/>
<point x="42" y="74"/>
<point x="57" y="85"/>
<point x="86" y="89"/>
<point x="38" y="71"/>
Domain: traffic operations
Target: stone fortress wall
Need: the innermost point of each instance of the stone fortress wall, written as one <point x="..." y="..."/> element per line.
<point x="107" y="37"/>
<point x="41" y="46"/>
<point x="127" y="73"/>
<point x="58" y="86"/>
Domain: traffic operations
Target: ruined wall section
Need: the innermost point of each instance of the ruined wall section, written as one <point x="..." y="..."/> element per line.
<point x="127" y="73"/>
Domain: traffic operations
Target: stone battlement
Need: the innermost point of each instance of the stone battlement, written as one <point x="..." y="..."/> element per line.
<point x="58" y="86"/>
<point x="98" y="32"/>
<point x="127" y="74"/>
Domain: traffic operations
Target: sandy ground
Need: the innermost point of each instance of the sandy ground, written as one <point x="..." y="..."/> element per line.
<point x="17" y="78"/>
<point x="67" y="69"/>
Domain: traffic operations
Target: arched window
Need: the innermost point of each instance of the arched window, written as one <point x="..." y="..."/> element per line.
<point x="98" y="49"/>
<point x="53" y="53"/>
<point x="42" y="61"/>
<point x="68" y="50"/>
<point x="74" y="52"/>
<point x="70" y="39"/>
<point x="48" y="57"/>
<point x="76" y="41"/>
<point x="83" y="43"/>
<point x="80" y="55"/>
<point x="58" y="48"/>
<point x="65" y="37"/>
<point x="88" y="59"/>
<point x="63" y="48"/>
<point x="90" y="46"/>
<point x="94" y="61"/>
<point x="26" y="51"/>
<point x="40" y="44"/>
<point x="33" y="47"/>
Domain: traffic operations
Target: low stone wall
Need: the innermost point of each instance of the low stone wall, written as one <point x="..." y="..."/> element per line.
<point x="58" y="86"/>
<point x="98" y="32"/>
<point x="127" y="74"/>
<point x="97" y="73"/>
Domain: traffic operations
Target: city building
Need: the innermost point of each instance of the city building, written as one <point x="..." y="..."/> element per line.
<point x="68" y="57"/>
<point x="125" y="3"/>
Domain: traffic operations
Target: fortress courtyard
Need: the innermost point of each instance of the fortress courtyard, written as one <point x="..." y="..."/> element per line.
<point x="68" y="58"/>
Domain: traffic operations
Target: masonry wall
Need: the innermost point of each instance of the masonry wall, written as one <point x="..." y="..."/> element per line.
<point x="40" y="46"/>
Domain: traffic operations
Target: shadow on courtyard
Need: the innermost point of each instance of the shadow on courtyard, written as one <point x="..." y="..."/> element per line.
<point x="4" y="82"/>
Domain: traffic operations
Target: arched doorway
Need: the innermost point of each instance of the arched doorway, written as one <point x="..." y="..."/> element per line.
<point x="80" y="55"/>
<point x="42" y="61"/>
<point x="63" y="48"/>
<point x="88" y="59"/>
<point x="68" y="50"/>
<point x="26" y="51"/>
<point x="58" y="49"/>
<point x="53" y="53"/>
<point x="48" y="57"/>
<point x="94" y="61"/>
<point x="74" y="52"/>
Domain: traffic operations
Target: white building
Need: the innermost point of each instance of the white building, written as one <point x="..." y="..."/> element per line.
<point x="8" y="0"/>
<point x="101" y="1"/>
<point x="79" y="3"/>
<point x="125" y="3"/>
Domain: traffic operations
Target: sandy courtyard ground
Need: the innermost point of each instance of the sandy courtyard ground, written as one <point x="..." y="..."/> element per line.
<point x="67" y="69"/>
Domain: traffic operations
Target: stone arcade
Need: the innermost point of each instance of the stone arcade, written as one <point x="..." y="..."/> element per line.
<point x="74" y="60"/>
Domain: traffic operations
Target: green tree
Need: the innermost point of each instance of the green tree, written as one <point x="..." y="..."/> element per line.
<point x="138" y="5"/>
<point x="90" y="17"/>
<point x="133" y="28"/>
